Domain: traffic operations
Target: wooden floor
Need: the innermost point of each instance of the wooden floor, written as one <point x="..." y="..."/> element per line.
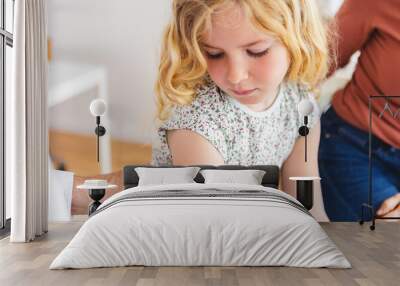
<point x="77" y="152"/>
<point x="374" y="255"/>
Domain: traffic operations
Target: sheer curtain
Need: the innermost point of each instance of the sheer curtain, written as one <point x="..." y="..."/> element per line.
<point x="26" y="123"/>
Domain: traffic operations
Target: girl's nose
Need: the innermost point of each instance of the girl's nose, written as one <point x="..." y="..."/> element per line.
<point x="237" y="72"/>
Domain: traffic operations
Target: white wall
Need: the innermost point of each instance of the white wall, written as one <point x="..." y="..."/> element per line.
<point x="124" y="36"/>
<point x="329" y="8"/>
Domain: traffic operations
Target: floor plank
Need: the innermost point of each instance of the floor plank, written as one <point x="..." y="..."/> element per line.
<point x="375" y="257"/>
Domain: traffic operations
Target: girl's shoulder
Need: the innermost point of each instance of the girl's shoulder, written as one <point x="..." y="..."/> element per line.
<point x="206" y="106"/>
<point x="208" y="96"/>
<point x="295" y="92"/>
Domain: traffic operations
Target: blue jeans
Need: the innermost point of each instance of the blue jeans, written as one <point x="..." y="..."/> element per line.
<point x="343" y="166"/>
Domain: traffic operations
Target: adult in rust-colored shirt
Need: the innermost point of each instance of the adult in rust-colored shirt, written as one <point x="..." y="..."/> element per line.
<point x="373" y="28"/>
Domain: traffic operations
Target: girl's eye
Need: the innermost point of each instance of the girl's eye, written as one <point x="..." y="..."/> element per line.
<point x="258" y="54"/>
<point x="250" y="53"/>
<point x="214" y="56"/>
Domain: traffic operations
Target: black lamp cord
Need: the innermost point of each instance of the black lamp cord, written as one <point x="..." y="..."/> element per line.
<point x="305" y="138"/>
<point x="98" y="136"/>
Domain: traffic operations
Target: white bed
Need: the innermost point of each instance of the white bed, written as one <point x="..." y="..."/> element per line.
<point x="248" y="225"/>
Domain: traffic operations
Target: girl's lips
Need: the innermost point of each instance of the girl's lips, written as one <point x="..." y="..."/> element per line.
<point x="243" y="92"/>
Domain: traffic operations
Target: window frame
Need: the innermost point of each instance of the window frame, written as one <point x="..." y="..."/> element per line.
<point x="6" y="39"/>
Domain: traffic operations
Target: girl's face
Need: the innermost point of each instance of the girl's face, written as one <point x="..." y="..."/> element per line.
<point x="245" y="63"/>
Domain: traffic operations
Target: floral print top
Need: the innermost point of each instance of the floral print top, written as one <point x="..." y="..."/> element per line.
<point x="242" y="136"/>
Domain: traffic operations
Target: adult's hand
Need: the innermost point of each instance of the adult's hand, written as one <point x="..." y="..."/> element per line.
<point x="390" y="207"/>
<point x="394" y="213"/>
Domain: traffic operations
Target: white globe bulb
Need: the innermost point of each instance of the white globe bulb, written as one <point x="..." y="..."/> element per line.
<point x="305" y="107"/>
<point x="98" y="107"/>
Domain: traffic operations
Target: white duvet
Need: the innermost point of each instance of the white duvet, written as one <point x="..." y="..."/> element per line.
<point x="217" y="231"/>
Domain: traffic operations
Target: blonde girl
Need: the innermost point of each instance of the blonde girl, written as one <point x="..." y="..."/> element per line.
<point x="230" y="78"/>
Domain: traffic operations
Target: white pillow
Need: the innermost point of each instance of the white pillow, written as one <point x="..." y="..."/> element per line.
<point x="162" y="176"/>
<point x="248" y="177"/>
